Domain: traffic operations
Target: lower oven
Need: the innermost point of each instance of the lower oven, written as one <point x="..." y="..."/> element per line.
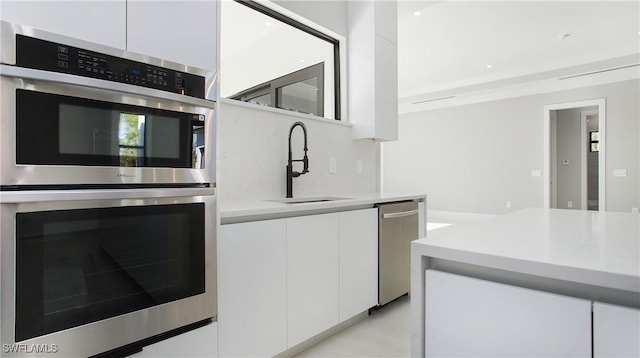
<point x="86" y="272"/>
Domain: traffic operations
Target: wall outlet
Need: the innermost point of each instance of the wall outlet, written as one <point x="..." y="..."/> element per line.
<point x="569" y="204"/>
<point x="634" y="210"/>
<point x="536" y="173"/>
<point x="359" y="167"/>
<point x="619" y="172"/>
<point x="333" y="165"/>
<point x="508" y="205"/>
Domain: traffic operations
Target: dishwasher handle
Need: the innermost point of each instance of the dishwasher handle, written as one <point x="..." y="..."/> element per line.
<point x="399" y="214"/>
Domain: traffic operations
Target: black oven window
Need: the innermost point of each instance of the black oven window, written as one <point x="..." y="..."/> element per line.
<point x="74" y="267"/>
<point x="62" y="130"/>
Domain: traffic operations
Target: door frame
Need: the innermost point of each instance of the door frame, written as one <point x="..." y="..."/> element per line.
<point x="584" y="152"/>
<point x="601" y="104"/>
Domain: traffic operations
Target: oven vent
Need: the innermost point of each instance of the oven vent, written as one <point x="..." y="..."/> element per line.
<point x="433" y="99"/>
<point x="600" y="71"/>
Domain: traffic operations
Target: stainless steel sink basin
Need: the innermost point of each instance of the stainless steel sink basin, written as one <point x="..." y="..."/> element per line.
<point x="316" y="199"/>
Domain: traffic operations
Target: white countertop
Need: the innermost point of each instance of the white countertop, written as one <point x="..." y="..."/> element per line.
<point x="588" y="247"/>
<point x="255" y="209"/>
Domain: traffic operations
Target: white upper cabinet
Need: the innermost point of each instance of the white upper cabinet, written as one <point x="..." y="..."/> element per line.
<point x="101" y="22"/>
<point x="373" y="69"/>
<point x="179" y="31"/>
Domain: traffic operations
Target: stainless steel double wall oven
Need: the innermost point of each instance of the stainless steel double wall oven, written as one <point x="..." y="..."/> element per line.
<point x="107" y="200"/>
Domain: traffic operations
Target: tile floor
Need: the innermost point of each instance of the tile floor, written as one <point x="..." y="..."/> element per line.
<point x="386" y="332"/>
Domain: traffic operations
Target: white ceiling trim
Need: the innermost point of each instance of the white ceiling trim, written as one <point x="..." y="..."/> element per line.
<point x="522" y="89"/>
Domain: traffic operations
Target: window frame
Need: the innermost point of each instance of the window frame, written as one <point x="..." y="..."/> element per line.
<point x="305" y="28"/>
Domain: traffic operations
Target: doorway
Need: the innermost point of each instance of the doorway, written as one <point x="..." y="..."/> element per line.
<point x="574" y="155"/>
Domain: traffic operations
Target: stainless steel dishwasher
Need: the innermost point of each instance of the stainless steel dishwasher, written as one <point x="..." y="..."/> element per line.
<point x="397" y="227"/>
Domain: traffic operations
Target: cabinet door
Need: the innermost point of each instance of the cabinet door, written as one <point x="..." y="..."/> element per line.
<point x="373" y="64"/>
<point x="358" y="262"/>
<point x="101" y="22"/>
<point x="179" y="31"/>
<point x="616" y="331"/>
<point x="470" y="317"/>
<point x="312" y="276"/>
<point x="252" y="289"/>
<point x="201" y="342"/>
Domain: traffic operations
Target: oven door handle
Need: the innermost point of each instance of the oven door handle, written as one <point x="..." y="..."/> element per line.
<point x="31" y="196"/>
<point x="97" y="84"/>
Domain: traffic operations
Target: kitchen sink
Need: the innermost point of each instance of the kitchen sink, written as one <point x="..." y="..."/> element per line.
<point x="316" y="199"/>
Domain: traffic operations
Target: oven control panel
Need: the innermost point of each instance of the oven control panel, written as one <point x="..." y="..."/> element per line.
<point x="50" y="56"/>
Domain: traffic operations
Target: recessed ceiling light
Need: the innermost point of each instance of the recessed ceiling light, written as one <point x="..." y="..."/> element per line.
<point x="268" y="23"/>
<point x="417" y="13"/>
<point x="563" y="36"/>
<point x="489" y="66"/>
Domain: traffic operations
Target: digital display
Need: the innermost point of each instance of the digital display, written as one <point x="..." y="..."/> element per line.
<point x="44" y="55"/>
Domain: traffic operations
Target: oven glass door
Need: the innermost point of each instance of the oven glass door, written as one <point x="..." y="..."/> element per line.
<point x="84" y="265"/>
<point x="55" y="129"/>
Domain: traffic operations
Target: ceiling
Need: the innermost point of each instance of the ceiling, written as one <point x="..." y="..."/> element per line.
<point x="457" y="47"/>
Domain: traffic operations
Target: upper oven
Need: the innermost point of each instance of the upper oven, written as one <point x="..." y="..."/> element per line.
<point x="76" y="113"/>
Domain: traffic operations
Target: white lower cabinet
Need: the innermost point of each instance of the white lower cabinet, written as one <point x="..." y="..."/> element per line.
<point x="252" y="289"/>
<point x="616" y="331"/>
<point x="358" y="262"/>
<point x="281" y="282"/>
<point x="312" y="276"/>
<point x="469" y="317"/>
<point x="201" y="342"/>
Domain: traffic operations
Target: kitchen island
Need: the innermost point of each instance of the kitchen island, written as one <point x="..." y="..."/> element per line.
<point x="532" y="277"/>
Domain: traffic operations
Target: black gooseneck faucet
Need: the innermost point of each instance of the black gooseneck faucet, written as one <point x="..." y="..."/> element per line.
<point x="305" y="160"/>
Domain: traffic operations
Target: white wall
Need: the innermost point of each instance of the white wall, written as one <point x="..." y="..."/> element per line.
<point x="331" y="14"/>
<point x="253" y="139"/>
<point x="474" y="158"/>
<point x="254" y="150"/>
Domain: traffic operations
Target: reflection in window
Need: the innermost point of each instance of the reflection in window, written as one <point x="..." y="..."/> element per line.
<point x="131" y="139"/>
<point x="197" y="155"/>
<point x="301" y="91"/>
<point x="300" y="96"/>
<point x="263" y="99"/>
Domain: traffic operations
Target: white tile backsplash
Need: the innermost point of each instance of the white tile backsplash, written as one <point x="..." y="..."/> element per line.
<point x="253" y="151"/>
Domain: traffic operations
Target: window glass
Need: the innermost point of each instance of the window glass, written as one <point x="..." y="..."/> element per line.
<point x="300" y="96"/>
<point x="258" y="51"/>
